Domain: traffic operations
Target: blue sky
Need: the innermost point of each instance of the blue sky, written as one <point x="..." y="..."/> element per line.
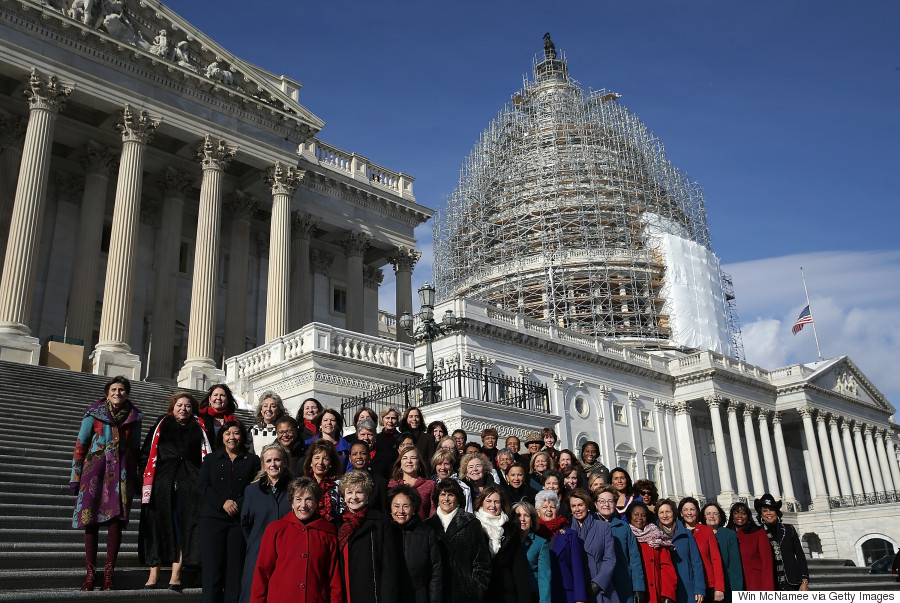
<point x="785" y="113"/>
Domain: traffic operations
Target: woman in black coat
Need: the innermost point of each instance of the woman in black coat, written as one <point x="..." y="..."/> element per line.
<point x="265" y="500"/>
<point x="791" y="571"/>
<point x="170" y="504"/>
<point x="223" y="477"/>
<point x="368" y="546"/>
<point x="464" y="549"/>
<point x="509" y="566"/>
<point x="421" y="573"/>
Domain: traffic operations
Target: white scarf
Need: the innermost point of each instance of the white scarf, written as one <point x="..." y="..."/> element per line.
<point x="446" y="518"/>
<point x="493" y="527"/>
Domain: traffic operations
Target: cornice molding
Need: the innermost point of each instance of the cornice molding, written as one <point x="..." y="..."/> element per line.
<point x="318" y="181"/>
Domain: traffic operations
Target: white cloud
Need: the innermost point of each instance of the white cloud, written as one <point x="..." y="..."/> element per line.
<point x="855" y="298"/>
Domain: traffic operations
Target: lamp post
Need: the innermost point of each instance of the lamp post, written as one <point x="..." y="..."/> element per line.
<point x="427" y="331"/>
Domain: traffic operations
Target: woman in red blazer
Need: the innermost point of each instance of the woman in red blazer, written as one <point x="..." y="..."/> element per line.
<point x="756" y="552"/>
<point x="298" y="557"/>
<point x="689" y="510"/>
<point x="659" y="571"/>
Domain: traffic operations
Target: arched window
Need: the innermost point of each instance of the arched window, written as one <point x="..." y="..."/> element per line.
<point x="625" y="455"/>
<point x="874" y="549"/>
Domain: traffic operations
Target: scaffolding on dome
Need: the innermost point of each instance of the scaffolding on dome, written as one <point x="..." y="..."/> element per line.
<point x="559" y="212"/>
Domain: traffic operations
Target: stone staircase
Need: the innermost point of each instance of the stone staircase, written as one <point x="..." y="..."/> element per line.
<point x="41" y="556"/>
<point x="842" y="574"/>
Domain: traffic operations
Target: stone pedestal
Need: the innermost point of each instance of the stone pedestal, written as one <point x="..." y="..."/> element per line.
<point x="115" y="362"/>
<point x="199" y="377"/>
<point x="20" y="348"/>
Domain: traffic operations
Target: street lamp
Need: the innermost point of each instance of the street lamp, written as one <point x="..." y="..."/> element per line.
<point x="427" y="331"/>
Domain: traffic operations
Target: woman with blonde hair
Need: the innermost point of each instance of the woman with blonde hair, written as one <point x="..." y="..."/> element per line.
<point x="265" y="500"/>
<point x="540" y="462"/>
<point x="443" y="467"/>
<point x="475" y="472"/>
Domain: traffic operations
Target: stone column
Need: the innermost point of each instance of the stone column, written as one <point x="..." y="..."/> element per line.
<point x="662" y="430"/>
<point x="827" y="459"/>
<point x="768" y="454"/>
<point x="863" y="462"/>
<point x="242" y="208"/>
<point x="607" y="440"/>
<point x="97" y="162"/>
<point x="112" y="355"/>
<point x="840" y="461"/>
<point x="737" y="451"/>
<point x="880" y="449"/>
<point x="814" y="460"/>
<point x="784" y="469"/>
<point x="284" y="180"/>
<point x="892" y="460"/>
<point x="199" y="370"/>
<point x="759" y="488"/>
<point x="45" y="98"/>
<point x="404" y="260"/>
<point x="355" y="246"/>
<point x="303" y="228"/>
<point x="174" y="186"/>
<point x="12" y="135"/>
<point x="727" y="493"/>
<point x="635" y="425"/>
<point x="372" y="279"/>
<point x="856" y="485"/>
<point x="690" y="472"/>
<point x="873" y="460"/>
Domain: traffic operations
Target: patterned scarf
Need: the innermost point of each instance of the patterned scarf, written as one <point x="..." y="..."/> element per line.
<point x="547" y="528"/>
<point x="150" y="470"/>
<point x="652" y="535"/>
<point x="352" y="520"/>
<point x="326" y="486"/>
<point x="119" y="416"/>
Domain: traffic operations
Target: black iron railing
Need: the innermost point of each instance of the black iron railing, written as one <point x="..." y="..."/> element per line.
<point x="456" y="383"/>
<point x="861" y="500"/>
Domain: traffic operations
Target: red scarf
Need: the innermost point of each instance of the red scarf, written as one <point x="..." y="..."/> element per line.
<point x="352" y="520"/>
<point x="150" y="470"/>
<point x="310" y="426"/>
<point x="325" y="502"/>
<point x="548" y="528"/>
<point x="223" y="414"/>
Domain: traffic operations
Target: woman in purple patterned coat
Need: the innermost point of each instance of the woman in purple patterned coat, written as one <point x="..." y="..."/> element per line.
<point x="104" y="474"/>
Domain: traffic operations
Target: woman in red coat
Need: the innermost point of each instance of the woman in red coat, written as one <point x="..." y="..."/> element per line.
<point x="298" y="557"/>
<point x="756" y="552"/>
<point x="659" y="571"/>
<point x="689" y="510"/>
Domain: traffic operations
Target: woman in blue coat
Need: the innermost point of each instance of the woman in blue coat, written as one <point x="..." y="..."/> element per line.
<point x="568" y="583"/>
<point x="597" y="539"/>
<point x="537" y="550"/>
<point x="628" y="575"/>
<point x="265" y="500"/>
<point x="685" y="554"/>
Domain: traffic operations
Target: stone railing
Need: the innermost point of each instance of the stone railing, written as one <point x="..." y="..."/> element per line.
<point x="357" y="167"/>
<point x="712" y="360"/>
<point x="321" y="339"/>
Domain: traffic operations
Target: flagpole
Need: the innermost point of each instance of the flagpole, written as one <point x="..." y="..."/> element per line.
<point x="809" y="305"/>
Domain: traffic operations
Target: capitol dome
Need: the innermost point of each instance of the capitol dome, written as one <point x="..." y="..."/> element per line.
<point x="568" y="211"/>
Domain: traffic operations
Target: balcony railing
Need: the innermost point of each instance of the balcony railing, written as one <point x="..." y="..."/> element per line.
<point x="472" y="384"/>
<point x="862" y="500"/>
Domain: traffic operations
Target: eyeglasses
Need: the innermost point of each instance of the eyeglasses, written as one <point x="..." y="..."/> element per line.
<point x="284" y="433"/>
<point x="605" y="503"/>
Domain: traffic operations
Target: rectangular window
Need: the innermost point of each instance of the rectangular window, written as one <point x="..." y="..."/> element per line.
<point x="646" y="422"/>
<point x="619" y="413"/>
<point x="652" y="473"/>
<point x="339" y="297"/>
<point x="105" y="237"/>
<point x="183" y="258"/>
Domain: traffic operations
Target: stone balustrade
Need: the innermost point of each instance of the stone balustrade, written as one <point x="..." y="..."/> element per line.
<point x="320" y="339"/>
<point x="357" y="167"/>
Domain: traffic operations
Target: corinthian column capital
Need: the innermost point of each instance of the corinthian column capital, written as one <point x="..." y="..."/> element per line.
<point x="174" y="183"/>
<point x="356" y="243"/>
<point x="241" y="205"/>
<point x="372" y="277"/>
<point x="99" y="159"/>
<point x="46" y="93"/>
<point x="136" y="126"/>
<point x="303" y="225"/>
<point x="12" y="132"/>
<point x="713" y="401"/>
<point x="404" y="259"/>
<point x="215" y="153"/>
<point x="284" y="179"/>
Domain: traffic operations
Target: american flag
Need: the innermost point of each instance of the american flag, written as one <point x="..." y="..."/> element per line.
<point x="804" y="319"/>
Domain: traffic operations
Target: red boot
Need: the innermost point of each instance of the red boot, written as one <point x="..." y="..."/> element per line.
<point x="107" y="576"/>
<point x="89" y="577"/>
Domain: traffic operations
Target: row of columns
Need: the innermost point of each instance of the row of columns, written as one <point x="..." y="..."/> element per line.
<point x="287" y="300"/>
<point x="839" y="464"/>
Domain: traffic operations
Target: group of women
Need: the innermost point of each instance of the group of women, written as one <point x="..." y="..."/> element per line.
<point x="292" y="510"/>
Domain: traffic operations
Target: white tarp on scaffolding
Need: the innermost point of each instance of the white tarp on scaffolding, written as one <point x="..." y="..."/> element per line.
<point x="695" y="299"/>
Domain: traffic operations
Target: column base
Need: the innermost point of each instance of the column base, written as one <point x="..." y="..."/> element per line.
<point x="112" y="363"/>
<point x="727" y="498"/>
<point x="19" y="347"/>
<point x="200" y="376"/>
